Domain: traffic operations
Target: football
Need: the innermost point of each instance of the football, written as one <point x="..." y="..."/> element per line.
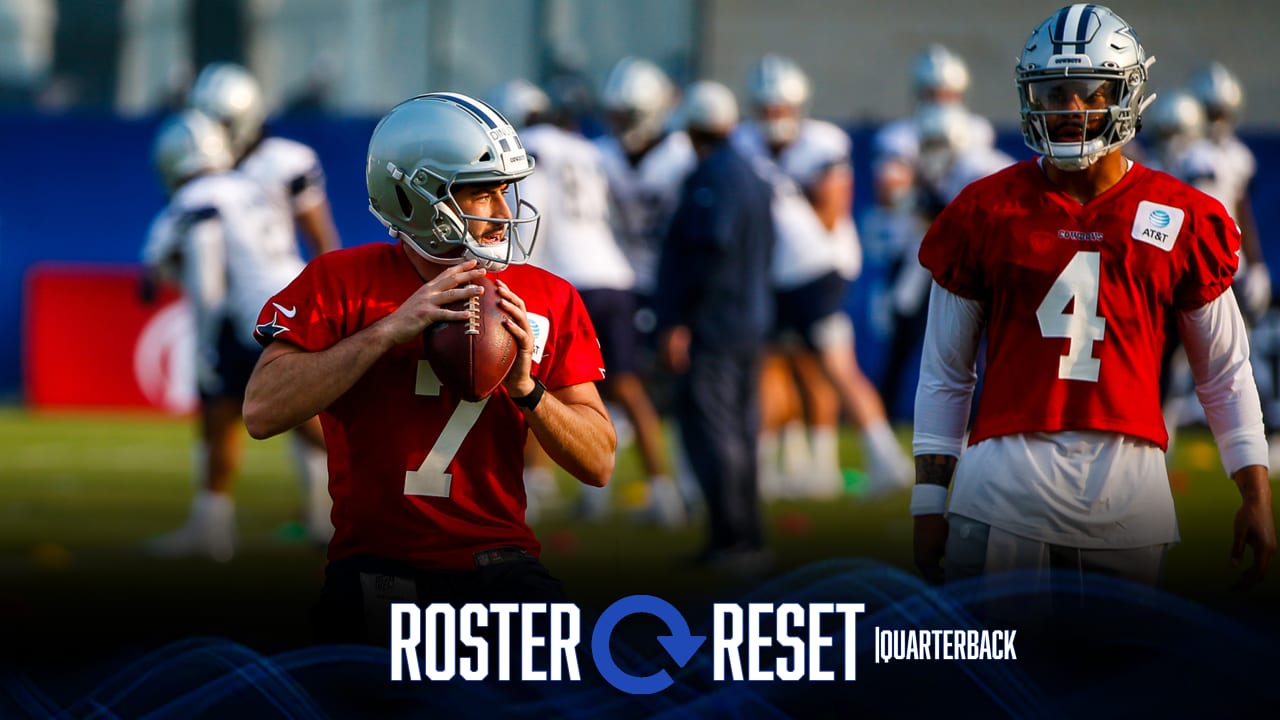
<point x="472" y="358"/>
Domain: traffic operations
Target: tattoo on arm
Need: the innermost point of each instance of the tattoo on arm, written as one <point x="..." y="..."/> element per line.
<point x="935" y="469"/>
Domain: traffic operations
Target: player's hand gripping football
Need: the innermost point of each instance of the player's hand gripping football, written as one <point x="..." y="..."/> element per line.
<point x="426" y="305"/>
<point x="519" y="381"/>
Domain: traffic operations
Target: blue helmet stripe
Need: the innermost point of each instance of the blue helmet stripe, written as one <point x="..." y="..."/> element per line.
<point x="465" y="103"/>
<point x="1082" y="30"/>
<point x="1059" y="30"/>
<point x="485" y="114"/>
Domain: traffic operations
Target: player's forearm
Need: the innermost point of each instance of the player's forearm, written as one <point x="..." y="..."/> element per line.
<point x="578" y="437"/>
<point x="289" y="387"/>
<point x="935" y="469"/>
<point x="1255" y="486"/>
<point x="1250" y="242"/>
<point x="933" y="478"/>
<point x="318" y="227"/>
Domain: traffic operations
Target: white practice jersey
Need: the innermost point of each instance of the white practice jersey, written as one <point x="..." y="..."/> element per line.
<point x="804" y="249"/>
<point x="901" y="138"/>
<point x="1222" y="168"/>
<point x="645" y="197"/>
<point x="571" y="190"/>
<point x="231" y="247"/>
<point x="289" y="171"/>
<point x="975" y="162"/>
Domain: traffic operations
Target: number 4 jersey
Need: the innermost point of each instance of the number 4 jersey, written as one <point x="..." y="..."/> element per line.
<point x="1079" y="299"/>
<point x="416" y="474"/>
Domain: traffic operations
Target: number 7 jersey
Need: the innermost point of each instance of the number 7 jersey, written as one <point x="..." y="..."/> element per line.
<point x="416" y="473"/>
<point x="1079" y="299"/>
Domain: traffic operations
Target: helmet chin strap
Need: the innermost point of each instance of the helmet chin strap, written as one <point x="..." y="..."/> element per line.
<point x="1072" y="164"/>
<point x="425" y="254"/>
<point x="455" y="226"/>
<point x="467" y="254"/>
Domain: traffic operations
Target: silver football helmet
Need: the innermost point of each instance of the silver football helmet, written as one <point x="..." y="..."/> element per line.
<point x="520" y="101"/>
<point x="1083" y="61"/>
<point x="420" y="151"/>
<point x="938" y="71"/>
<point x="1176" y="114"/>
<point x="780" y="93"/>
<point x="638" y="96"/>
<point x="708" y="106"/>
<point x="188" y="144"/>
<point x="227" y="93"/>
<point x="1218" y="90"/>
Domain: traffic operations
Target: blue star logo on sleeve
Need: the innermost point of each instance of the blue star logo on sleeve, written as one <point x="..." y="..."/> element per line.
<point x="271" y="329"/>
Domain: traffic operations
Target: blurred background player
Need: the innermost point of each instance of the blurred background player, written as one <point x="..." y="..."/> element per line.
<point x="290" y="173"/>
<point x="938" y="77"/>
<point x="949" y="159"/>
<point x="891" y="230"/>
<point x="576" y="242"/>
<point x="230" y="247"/>
<point x="1224" y="167"/>
<point x="1173" y="123"/>
<point x="645" y="163"/>
<point x="816" y="256"/>
<point x="714" y="312"/>
<point x="1172" y="127"/>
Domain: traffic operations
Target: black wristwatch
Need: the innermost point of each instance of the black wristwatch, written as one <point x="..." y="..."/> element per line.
<point x="530" y="401"/>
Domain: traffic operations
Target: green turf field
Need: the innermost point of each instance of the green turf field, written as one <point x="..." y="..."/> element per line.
<point x="79" y="494"/>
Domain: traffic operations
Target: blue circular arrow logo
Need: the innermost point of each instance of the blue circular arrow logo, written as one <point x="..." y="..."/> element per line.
<point x="680" y="644"/>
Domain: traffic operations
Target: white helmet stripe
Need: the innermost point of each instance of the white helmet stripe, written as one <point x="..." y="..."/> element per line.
<point x="1072" y="27"/>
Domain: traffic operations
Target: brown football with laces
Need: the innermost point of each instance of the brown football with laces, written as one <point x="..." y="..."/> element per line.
<point x="472" y="357"/>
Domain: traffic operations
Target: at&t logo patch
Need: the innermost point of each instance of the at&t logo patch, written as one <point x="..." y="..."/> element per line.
<point x="1157" y="224"/>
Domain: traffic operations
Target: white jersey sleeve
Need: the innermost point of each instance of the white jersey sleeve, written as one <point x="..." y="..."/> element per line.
<point x="188" y="243"/>
<point x="290" y="172"/>
<point x="1218" y="350"/>
<point x="948" y="373"/>
<point x="160" y="250"/>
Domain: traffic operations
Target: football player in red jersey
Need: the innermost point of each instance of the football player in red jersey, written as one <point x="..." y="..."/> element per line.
<point x="1072" y="266"/>
<point x="427" y="488"/>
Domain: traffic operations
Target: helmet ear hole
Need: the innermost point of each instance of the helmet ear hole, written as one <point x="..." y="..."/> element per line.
<point x="406" y="207"/>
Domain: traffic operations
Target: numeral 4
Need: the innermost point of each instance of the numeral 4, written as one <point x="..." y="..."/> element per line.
<point x="1078" y="285"/>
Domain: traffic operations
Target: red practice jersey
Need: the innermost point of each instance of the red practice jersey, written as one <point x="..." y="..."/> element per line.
<point x="416" y="474"/>
<point x="1079" y="299"/>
